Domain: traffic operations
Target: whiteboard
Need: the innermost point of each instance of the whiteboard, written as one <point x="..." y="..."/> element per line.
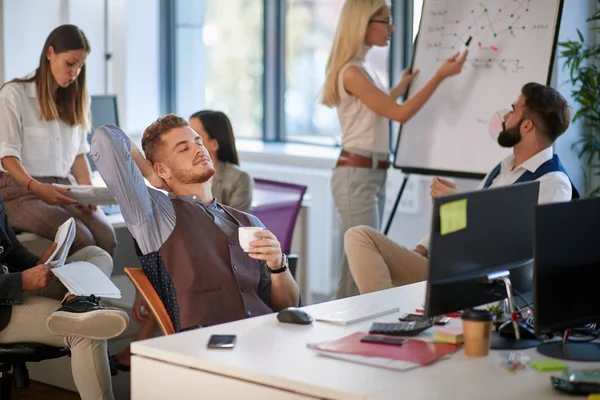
<point x="513" y="42"/>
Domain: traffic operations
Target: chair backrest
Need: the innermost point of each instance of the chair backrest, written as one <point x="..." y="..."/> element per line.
<point x="277" y="205"/>
<point x="143" y="285"/>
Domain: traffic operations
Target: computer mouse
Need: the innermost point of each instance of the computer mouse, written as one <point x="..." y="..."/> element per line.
<point x="293" y="315"/>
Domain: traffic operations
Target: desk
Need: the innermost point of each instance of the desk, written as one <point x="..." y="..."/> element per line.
<point x="271" y="361"/>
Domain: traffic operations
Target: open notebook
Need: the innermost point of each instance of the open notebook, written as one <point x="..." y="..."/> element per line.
<point x="81" y="278"/>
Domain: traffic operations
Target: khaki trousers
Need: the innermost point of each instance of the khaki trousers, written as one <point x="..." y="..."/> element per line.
<point x="377" y="262"/>
<point x="89" y="360"/>
<point x="359" y="197"/>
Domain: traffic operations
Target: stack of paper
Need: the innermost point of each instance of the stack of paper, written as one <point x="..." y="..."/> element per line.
<point x="87" y="194"/>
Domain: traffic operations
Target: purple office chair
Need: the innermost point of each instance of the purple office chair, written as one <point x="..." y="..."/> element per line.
<point x="277" y="205"/>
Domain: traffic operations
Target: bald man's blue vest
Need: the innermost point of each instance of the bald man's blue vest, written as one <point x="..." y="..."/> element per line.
<point x="552" y="165"/>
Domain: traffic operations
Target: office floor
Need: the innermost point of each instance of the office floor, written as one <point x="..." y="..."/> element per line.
<point x="121" y="382"/>
<point x="41" y="391"/>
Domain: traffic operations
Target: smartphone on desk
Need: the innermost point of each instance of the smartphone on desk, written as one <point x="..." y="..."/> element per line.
<point x="221" y="342"/>
<point x="394" y="341"/>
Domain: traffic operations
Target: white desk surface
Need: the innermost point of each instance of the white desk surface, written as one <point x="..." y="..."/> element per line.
<point x="274" y="354"/>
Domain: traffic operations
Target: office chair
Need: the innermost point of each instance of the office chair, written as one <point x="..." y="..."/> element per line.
<point x="143" y="285"/>
<point x="14" y="356"/>
<point x="277" y="205"/>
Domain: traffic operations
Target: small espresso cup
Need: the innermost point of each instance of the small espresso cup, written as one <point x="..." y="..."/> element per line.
<point x="477" y="332"/>
<point x="246" y="234"/>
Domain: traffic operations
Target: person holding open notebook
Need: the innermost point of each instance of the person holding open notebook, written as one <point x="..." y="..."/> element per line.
<point x="36" y="307"/>
<point x="365" y="106"/>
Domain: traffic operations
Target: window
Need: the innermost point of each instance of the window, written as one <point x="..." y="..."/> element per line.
<point x="262" y="62"/>
<point x="219" y="61"/>
<point x="310" y="27"/>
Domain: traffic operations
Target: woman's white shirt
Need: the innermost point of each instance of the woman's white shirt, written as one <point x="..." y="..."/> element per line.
<point x="362" y="128"/>
<point x="45" y="148"/>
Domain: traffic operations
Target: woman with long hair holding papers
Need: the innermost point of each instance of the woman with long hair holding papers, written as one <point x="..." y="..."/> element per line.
<point x="365" y="106"/>
<point x="44" y="121"/>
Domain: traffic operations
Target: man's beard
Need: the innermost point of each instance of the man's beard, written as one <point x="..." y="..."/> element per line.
<point x="510" y="137"/>
<point x="189" y="177"/>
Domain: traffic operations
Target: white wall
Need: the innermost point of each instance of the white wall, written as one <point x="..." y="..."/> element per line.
<point x="409" y="227"/>
<point x="26" y="24"/>
<point x="133" y="71"/>
<point x="142" y="88"/>
<point x="89" y="16"/>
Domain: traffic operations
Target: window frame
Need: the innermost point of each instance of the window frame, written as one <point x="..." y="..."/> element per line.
<point x="273" y="80"/>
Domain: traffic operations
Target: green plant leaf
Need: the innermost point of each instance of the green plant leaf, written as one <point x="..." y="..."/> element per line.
<point x="582" y="61"/>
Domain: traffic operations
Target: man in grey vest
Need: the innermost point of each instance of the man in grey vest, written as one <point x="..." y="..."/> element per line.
<point x="189" y="243"/>
<point x="538" y="117"/>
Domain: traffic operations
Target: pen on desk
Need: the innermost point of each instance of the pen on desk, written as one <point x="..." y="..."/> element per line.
<point x="462" y="52"/>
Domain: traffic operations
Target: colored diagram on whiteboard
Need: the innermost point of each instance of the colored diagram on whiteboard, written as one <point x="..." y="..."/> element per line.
<point x="492" y="24"/>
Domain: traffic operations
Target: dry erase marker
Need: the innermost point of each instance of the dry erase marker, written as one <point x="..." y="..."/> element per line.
<point x="464" y="47"/>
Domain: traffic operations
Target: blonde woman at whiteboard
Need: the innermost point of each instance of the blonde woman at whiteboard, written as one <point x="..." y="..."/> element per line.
<point x="44" y="121"/>
<point x="365" y="106"/>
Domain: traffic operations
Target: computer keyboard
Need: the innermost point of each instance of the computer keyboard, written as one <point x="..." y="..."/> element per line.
<point x="354" y="315"/>
<point x="405" y="328"/>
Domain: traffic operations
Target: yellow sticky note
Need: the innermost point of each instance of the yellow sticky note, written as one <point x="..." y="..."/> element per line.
<point x="453" y="216"/>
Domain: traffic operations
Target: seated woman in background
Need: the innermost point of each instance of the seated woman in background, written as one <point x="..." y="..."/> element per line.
<point x="44" y="121"/>
<point x="230" y="186"/>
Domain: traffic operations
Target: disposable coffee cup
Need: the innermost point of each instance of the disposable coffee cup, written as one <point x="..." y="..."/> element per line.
<point x="246" y="234"/>
<point x="477" y="332"/>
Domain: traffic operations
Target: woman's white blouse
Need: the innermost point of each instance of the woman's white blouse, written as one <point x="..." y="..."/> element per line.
<point x="45" y="148"/>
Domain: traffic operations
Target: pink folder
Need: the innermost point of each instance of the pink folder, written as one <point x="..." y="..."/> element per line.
<point x="415" y="351"/>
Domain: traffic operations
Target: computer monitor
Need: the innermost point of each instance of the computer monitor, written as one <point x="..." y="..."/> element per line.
<point x="567" y="274"/>
<point x="497" y="239"/>
<point x="104" y="111"/>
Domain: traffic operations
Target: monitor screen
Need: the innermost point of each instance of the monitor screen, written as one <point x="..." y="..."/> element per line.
<point x="567" y="265"/>
<point x="104" y="111"/>
<point x="495" y="234"/>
